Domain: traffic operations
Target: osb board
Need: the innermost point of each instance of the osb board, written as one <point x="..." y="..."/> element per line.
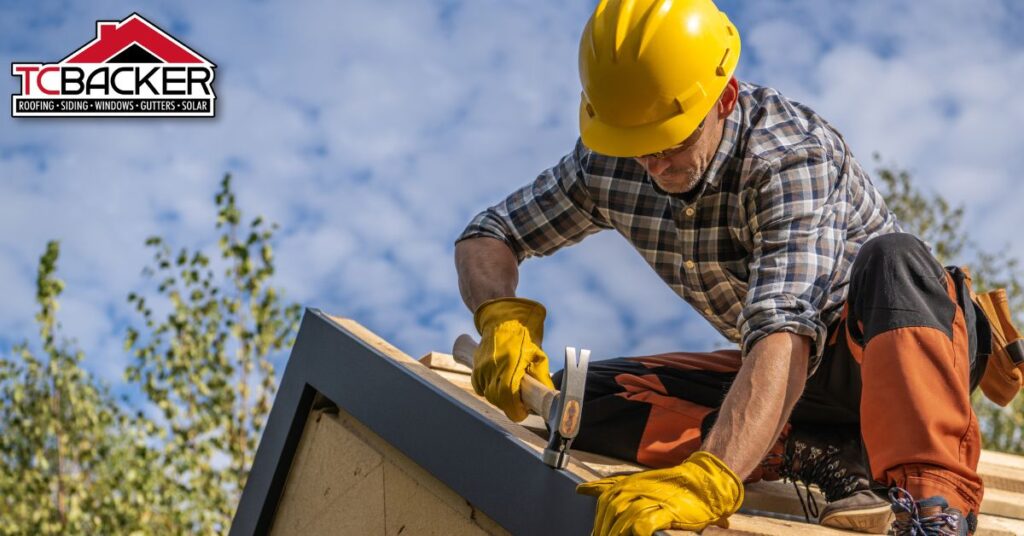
<point x="346" y="480"/>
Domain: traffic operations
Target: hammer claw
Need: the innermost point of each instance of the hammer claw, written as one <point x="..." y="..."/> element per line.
<point x="565" y="413"/>
<point x="561" y="409"/>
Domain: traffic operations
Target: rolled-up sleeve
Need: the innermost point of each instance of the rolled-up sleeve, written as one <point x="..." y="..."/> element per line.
<point x="798" y="240"/>
<point x="554" y="211"/>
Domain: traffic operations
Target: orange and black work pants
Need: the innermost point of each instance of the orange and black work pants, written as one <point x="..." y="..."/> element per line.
<point x="900" y="364"/>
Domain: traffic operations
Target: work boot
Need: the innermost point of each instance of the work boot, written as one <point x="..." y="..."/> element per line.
<point x="928" y="517"/>
<point x="832" y="458"/>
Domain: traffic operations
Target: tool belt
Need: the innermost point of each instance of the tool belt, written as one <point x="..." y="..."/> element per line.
<point x="1004" y="375"/>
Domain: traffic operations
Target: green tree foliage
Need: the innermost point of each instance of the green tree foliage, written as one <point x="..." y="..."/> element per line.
<point x="936" y="221"/>
<point x="202" y="357"/>
<point x="72" y="461"/>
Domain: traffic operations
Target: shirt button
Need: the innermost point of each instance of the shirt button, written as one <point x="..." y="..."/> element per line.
<point x="689" y="264"/>
<point x="707" y="311"/>
<point x="690" y="211"/>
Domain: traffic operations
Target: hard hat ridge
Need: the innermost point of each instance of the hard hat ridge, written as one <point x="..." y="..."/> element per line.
<point x="651" y="70"/>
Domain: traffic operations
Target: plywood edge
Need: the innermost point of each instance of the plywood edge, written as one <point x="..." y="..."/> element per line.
<point x="442" y="361"/>
<point x="460" y="393"/>
<point x="1003" y="503"/>
<point x="766" y="526"/>
<point x="453" y="380"/>
<point x="989" y="525"/>
<point x="1003" y="471"/>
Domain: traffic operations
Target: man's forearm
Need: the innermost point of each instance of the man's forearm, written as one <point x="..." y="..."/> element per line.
<point x="487" y="269"/>
<point x="767" y="386"/>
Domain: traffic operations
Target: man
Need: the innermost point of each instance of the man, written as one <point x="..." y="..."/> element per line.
<point x="752" y="208"/>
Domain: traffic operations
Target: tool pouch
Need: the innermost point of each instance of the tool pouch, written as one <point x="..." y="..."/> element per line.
<point x="1004" y="376"/>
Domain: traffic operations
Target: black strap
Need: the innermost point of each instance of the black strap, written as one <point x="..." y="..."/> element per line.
<point x="1016" y="351"/>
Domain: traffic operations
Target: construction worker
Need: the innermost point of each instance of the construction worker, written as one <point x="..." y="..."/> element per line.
<point x="856" y="348"/>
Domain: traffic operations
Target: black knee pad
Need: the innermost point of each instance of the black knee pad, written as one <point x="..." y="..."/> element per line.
<point x="895" y="283"/>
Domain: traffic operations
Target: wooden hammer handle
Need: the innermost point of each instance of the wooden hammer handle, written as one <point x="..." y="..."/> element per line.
<point x="536" y="396"/>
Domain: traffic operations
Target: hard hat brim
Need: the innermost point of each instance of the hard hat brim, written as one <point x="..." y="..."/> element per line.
<point x="639" y="140"/>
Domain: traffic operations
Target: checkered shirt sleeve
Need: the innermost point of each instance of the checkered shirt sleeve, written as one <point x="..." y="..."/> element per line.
<point x="796" y="220"/>
<point x="552" y="212"/>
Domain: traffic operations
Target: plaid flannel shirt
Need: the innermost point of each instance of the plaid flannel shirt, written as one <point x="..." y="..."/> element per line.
<point x="763" y="244"/>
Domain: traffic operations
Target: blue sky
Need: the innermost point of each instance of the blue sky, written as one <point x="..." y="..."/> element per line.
<point x="373" y="131"/>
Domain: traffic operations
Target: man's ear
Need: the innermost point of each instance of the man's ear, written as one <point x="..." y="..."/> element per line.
<point x="730" y="95"/>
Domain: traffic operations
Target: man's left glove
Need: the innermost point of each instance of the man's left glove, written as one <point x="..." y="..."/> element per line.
<point x="701" y="491"/>
<point x="511" y="332"/>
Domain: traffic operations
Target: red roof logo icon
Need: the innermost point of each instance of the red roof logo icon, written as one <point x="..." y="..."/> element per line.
<point x="133" y="38"/>
<point x="131" y="69"/>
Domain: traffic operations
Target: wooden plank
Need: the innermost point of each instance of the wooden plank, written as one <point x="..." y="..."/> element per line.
<point x="989" y="525"/>
<point x="765" y="526"/>
<point x="446" y="362"/>
<point x="747" y="525"/>
<point x="1002" y="471"/>
<point x="1004" y="503"/>
<point x="463" y="393"/>
<point x="470" y="453"/>
<point x="590" y="466"/>
<point x="742" y="523"/>
<point x="770" y="497"/>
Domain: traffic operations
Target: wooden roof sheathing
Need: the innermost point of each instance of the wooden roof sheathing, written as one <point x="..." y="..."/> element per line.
<point x="427" y="412"/>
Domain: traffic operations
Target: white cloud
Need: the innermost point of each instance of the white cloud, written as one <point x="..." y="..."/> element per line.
<point x="373" y="131"/>
<point x="931" y="88"/>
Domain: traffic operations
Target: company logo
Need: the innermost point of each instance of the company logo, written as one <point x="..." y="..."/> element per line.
<point x="132" y="69"/>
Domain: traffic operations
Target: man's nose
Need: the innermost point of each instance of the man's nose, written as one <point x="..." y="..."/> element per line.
<point x="655" y="166"/>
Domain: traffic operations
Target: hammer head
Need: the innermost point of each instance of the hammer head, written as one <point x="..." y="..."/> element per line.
<point x="564" y="420"/>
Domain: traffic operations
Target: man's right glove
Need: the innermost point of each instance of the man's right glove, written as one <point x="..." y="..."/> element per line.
<point x="511" y="332"/>
<point x="699" y="492"/>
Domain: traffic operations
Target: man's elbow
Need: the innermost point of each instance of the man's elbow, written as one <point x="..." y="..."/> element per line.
<point x="799" y="362"/>
<point x="789" y="355"/>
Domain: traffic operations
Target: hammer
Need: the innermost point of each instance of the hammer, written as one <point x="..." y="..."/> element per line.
<point x="560" y="409"/>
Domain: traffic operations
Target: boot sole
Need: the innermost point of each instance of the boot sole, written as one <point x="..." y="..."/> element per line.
<point x="873" y="520"/>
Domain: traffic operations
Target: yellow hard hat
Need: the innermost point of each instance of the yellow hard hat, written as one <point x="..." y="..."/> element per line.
<point x="651" y="71"/>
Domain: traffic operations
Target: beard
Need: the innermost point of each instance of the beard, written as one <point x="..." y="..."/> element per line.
<point x="680" y="181"/>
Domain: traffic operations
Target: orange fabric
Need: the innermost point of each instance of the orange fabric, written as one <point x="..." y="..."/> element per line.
<point x="719" y="361"/>
<point x="672" y="432"/>
<point x="842" y="320"/>
<point x="673" y="424"/>
<point x="857" y="353"/>
<point x="918" y="426"/>
<point x="856" y="350"/>
<point x="1003" y="379"/>
<point x="923" y="481"/>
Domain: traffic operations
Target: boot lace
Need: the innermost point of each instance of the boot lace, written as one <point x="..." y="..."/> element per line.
<point x="813" y="465"/>
<point x="914" y="524"/>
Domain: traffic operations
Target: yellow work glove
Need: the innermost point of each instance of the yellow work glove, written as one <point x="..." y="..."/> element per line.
<point x="511" y="332"/>
<point x="701" y="491"/>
